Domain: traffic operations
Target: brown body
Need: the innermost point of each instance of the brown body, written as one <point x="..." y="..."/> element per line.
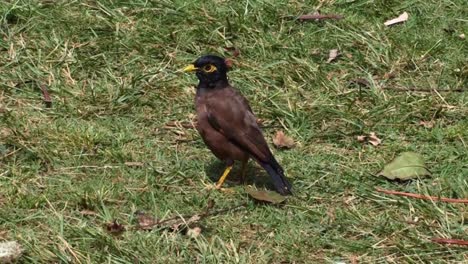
<point x="240" y="131"/>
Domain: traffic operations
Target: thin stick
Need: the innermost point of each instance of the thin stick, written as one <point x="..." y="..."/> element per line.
<point x="424" y="197"/>
<point x="418" y="89"/>
<point x="450" y="241"/>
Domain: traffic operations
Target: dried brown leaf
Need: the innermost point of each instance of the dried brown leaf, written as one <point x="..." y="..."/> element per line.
<point x="373" y="139"/>
<point x="115" y="228"/>
<point x="427" y="124"/>
<point x="361" y="138"/>
<point x="332" y="55"/>
<point x="146" y="222"/>
<point x="389" y="75"/>
<point x="280" y="140"/>
<point x="401" y="18"/>
<point x="194" y="232"/>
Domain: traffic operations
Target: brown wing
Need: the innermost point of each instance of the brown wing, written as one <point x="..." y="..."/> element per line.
<point x="230" y="114"/>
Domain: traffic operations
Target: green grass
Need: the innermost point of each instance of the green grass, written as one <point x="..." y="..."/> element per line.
<point x="112" y="70"/>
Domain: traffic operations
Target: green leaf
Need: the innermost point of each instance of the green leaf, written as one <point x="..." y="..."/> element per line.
<point x="408" y="165"/>
<point x="265" y="196"/>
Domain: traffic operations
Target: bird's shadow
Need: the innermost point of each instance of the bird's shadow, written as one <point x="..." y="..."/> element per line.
<point x="254" y="174"/>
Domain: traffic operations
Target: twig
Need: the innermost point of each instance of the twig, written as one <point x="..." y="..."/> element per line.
<point x="428" y="90"/>
<point x="450" y="241"/>
<point x="319" y="17"/>
<point x="424" y="197"/>
<point x="47" y="100"/>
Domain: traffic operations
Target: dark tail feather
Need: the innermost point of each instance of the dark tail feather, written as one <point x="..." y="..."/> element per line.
<point x="277" y="175"/>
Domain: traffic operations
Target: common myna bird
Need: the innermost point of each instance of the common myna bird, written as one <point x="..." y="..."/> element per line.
<point x="227" y="124"/>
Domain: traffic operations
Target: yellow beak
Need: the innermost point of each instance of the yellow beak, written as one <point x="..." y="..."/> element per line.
<point x="190" y="68"/>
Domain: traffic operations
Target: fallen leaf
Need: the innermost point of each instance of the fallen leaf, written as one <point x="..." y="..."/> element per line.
<point x="10" y="251"/>
<point x="332" y="55"/>
<point x="408" y="165"/>
<point x="194" y="232"/>
<point x="280" y="140"/>
<point x="402" y="18"/>
<point x="361" y="138"/>
<point x="373" y="139"/>
<point x="427" y="124"/>
<point x="265" y="196"/>
<point x="146" y="222"/>
<point x="134" y="164"/>
<point x="354" y="259"/>
<point x="115" y="228"/>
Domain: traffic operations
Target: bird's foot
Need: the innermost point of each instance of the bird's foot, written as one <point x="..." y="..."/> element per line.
<point x="210" y="187"/>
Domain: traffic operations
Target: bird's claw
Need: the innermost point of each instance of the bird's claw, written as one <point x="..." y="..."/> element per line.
<point x="216" y="187"/>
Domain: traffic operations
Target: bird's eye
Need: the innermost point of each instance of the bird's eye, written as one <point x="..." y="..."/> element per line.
<point x="209" y="68"/>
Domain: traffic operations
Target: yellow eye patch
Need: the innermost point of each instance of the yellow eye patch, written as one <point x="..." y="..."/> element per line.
<point x="209" y="68"/>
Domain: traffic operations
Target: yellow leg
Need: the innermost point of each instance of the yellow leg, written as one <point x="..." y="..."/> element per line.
<point x="223" y="177"/>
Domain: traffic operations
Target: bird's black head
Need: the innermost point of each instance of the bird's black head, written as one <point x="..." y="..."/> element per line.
<point x="211" y="70"/>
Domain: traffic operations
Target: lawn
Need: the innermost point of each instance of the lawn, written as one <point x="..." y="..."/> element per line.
<point x="115" y="142"/>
